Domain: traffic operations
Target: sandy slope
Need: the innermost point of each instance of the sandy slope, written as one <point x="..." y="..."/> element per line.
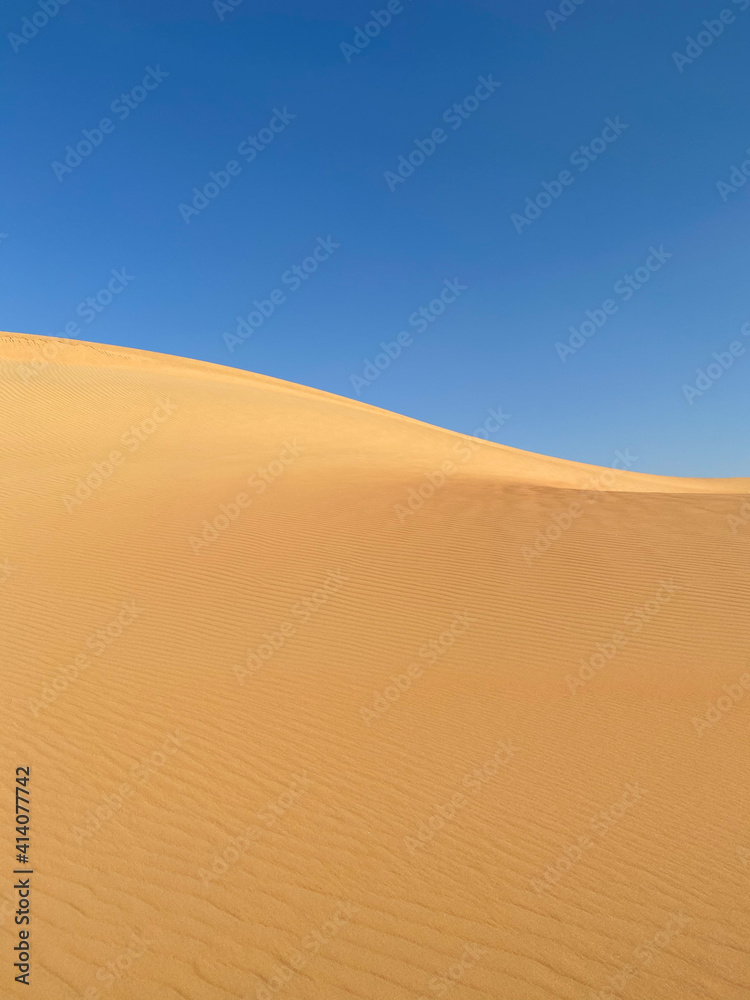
<point x="333" y="747"/>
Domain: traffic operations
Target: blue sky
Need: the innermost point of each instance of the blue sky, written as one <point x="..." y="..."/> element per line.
<point x="322" y="127"/>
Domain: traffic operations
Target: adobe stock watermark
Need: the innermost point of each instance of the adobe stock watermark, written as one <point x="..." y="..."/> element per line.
<point x="704" y="39"/>
<point x="474" y="781"/>
<point x="454" y="116"/>
<point x="47" y="349"/>
<point x="258" y="481"/>
<point x="561" y="522"/>
<point x="88" y="309"/>
<point x="224" y="7"/>
<point x="634" y="621"/>
<point x="267" y="816"/>
<point x="741" y="518"/>
<point x="110" y="804"/>
<point x="723" y="361"/>
<point x="310" y="945"/>
<point x="431" y="651"/>
<point x="97" y="642"/>
<point x="643" y="955"/>
<point x="219" y="180"/>
<point x="600" y="823"/>
<point x="596" y="485"/>
<point x="104" y="469"/>
<point x="31" y="26"/>
<point x="440" y="985"/>
<point x="565" y="10"/>
<point x="119" y="967"/>
<point x="94" y="137"/>
<point x="738" y="176"/>
<point x="363" y="36"/>
<point x="581" y="157"/>
<point x="419" y="320"/>
<point x="293" y="277"/>
<point x="464" y="450"/>
<point x="625" y="288"/>
<point x="300" y="613"/>
<point x="716" y="710"/>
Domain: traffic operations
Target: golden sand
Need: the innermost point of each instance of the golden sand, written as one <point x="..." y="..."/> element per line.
<point x="324" y="703"/>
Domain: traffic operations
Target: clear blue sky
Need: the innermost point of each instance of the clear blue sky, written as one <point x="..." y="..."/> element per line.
<point x="328" y="172"/>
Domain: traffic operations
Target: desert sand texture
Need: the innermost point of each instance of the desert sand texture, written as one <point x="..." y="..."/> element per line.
<point x="324" y="703"/>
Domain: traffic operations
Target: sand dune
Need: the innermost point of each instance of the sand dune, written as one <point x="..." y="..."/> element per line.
<point x="324" y="703"/>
